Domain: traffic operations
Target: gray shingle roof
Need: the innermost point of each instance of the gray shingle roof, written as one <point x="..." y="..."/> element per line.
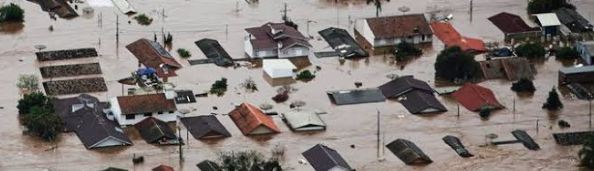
<point x="323" y="158"/>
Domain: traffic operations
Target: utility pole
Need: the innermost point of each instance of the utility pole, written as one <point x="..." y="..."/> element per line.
<point x="284" y="11"/>
<point x="536" y="126"/>
<point x="590" y="115"/>
<point x="378" y="133"/>
<point x="117" y="28"/>
<point x="337" y="17"/>
<point x="514" y="109"/>
<point x="458" y="111"/>
<point x="471" y="6"/>
<point x="227" y="31"/>
<point x="181" y="152"/>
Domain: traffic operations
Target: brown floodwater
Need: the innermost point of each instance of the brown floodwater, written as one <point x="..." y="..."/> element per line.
<point x="191" y="20"/>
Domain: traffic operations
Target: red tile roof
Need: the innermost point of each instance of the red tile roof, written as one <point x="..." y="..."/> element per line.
<point x="152" y="54"/>
<point x="163" y="168"/>
<point x="248" y="118"/>
<point x="399" y="26"/>
<point x="140" y="104"/>
<point x="474" y="97"/>
<point x="450" y="37"/>
<point x="510" y="23"/>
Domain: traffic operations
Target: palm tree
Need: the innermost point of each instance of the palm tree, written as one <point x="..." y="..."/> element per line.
<point x="586" y="154"/>
<point x="378" y="6"/>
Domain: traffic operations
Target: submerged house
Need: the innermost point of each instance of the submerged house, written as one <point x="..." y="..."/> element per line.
<point x="71" y="110"/>
<point x="97" y="131"/>
<point x="324" y="158"/>
<point x="275" y="40"/>
<point x="474" y="98"/>
<point x="573" y="21"/>
<point x="304" y="120"/>
<point x="514" y="27"/>
<point x="156" y="131"/>
<point x="278" y="71"/>
<point x="129" y="110"/>
<point x="342" y="42"/>
<point x="163" y="168"/>
<point x="512" y="68"/>
<point x="152" y="55"/>
<point x="416" y="95"/>
<point x="252" y="121"/>
<point x="205" y="127"/>
<point x="586" y="50"/>
<point x="445" y="32"/>
<point x="388" y="31"/>
<point x="208" y="165"/>
<point x="584" y="74"/>
<point x="408" y="152"/>
<point x="549" y="22"/>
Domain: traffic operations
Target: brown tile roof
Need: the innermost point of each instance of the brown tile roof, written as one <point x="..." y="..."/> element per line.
<point x="163" y="168"/>
<point x="510" y="23"/>
<point x="266" y="40"/>
<point x="139" y="104"/>
<point x="152" y="54"/>
<point x="399" y="26"/>
<point x="248" y="118"/>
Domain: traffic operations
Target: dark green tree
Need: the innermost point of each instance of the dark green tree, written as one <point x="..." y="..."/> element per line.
<point x="485" y="113"/>
<point x="547" y="6"/>
<point x="34" y="99"/>
<point x="305" y="75"/>
<point x="553" y="101"/>
<point x="184" y="53"/>
<point x="405" y="51"/>
<point x="247" y="161"/>
<point x="11" y="12"/>
<point x="454" y="64"/>
<point x="567" y="53"/>
<point x="43" y="122"/>
<point x="524" y="85"/>
<point x="219" y="87"/>
<point x="531" y="50"/>
<point x="586" y="154"/>
<point x="378" y="5"/>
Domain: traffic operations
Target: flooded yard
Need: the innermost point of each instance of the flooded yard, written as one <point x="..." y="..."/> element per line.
<point x="192" y="20"/>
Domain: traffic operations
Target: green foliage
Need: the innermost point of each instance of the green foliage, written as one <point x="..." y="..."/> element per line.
<point x="524" y="85"/>
<point x="28" y="83"/>
<point x="184" y="53"/>
<point x="404" y="51"/>
<point x="547" y="6"/>
<point x="485" y="113"/>
<point x="378" y="6"/>
<point x="34" y="99"/>
<point x="219" y="87"/>
<point x="567" y="53"/>
<point x="586" y="154"/>
<point x="247" y="161"/>
<point x="43" y="122"/>
<point x="11" y="12"/>
<point x="168" y="39"/>
<point x="305" y="75"/>
<point x="553" y="101"/>
<point x="143" y="19"/>
<point x="454" y="64"/>
<point x="250" y="85"/>
<point x="531" y="50"/>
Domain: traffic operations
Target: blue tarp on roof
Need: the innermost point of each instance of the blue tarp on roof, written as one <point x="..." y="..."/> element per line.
<point x="146" y="71"/>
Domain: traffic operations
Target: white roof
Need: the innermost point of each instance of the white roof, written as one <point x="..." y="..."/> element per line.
<point x="302" y="118"/>
<point x="548" y="19"/>
<point x="278" y="68"/>
<point x="124" y="6"/>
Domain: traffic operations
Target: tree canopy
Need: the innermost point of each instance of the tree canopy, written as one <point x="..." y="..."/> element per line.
<point x="454" y="64"/>
<point x="586" y="154"/>
<point x="37" y="115"/>
<point x="567" y="53"/>
<point x="531" y="50"/>
<point x="34" y="99"/>
<point x="547" y="6"/>
<point x="219" y="87"/>
<point x="524" y="85"/>
<point x="378" y="6"/>
<point x="247" y="161"/>
<point x="553" y="102"/>
<point x="28" y="83"/>
<point x="11" y="12"/>
<point x="405" y="51"/>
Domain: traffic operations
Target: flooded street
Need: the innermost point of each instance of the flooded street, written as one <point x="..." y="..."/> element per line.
<point x="192" y="20"/>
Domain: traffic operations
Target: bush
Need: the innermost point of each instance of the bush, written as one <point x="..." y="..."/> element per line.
<point x="405" y="51"/>
<point x="168" y="39"/>
<point x="524" y="85"/>
<point x="567" y="53"/>
<point x="248" y="161"/>
<point x="34" y="99"/>
<point x="286" y="89"/>
<point x="184" y="53"/>
<point x="143" y="19"/>
<point x="305" y="75"/>
<point x="28" y="83"/>
<point x="553" y="101"/>
<point x="586" y="154"/>
<point x="11" y="12"/>
<point x="43" y="122"/>
<point x="219" y="87"/>
<point x="454" y="64"/>
<point x="281" y="97"/>
<point x="547" y="6"/>
<point x="531" y="50"/>
<point x="485" y="113"/>
<point x="250" y="85"/>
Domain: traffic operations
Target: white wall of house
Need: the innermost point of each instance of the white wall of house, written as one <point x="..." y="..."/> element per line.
<point x="394" y="41"/>
<point x="294" y="51"/>
<point x="124" y="121"/>
<point x="265" y="53"/>
<point x="109" y="142"/>
<point x="338" y="168"/>
<point x="249" y="50"/>
<point x="261" y="130"/>
<point x="363" y="28"/>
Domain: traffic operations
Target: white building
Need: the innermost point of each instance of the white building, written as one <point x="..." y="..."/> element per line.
<point x="275" y="40"/>
<point x="129" y="110"/>
<point x="390" y="30"/>
<point x="278" y="71"/>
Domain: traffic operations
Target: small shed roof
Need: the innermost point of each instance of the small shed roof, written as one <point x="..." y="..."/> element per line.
<point x="324" y="158"/>
<point x="356" y="96"/>
<point x="548" y="19"/>
<point x="402" y="85"/>
<point x="248" y="117"/>
<point x="474" y="97"/>
<point x="208" y="165"/>
<point x="408" y="152"/>
<point x="278" y="68"/>
<point x="205" y="126"/>
<point x="576" y="69"/>
<point x="152" y="130"/>
<point x="303" y="118"/>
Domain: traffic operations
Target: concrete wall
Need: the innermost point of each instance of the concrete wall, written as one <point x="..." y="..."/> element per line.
<point x="363" y="28"/>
